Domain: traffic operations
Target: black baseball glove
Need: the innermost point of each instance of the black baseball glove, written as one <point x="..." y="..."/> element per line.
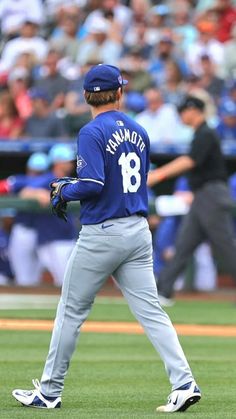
<point x="59" y="206"/>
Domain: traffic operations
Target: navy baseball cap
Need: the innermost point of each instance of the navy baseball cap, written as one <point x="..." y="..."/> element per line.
<point x="103" y="77"/>
<point x="191" y="102"/>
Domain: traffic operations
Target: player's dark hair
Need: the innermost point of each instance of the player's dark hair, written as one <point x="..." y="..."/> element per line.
<point x="97" y="99"/>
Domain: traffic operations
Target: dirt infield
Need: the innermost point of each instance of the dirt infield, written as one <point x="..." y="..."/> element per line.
<point x="120" y="327"/>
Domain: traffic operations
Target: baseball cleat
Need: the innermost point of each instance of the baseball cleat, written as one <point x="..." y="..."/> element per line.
<point x="165" y="302"/>
<point x="34" y="398"/>
<point x="181" y="399"/>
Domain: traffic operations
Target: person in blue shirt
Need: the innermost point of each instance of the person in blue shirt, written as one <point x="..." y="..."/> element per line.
<point x="55" y="240"/>
<point x="23" y="237"/>
<point x="112" y="168"/>
<point x="226" y="127"/>
<point x="6" y="221"/>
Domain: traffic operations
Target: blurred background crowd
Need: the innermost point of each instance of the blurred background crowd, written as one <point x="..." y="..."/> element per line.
<point x="166" y="49"/>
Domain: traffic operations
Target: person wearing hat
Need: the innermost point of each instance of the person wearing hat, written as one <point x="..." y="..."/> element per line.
<point x="28" y="42"/>
<point x="102" y="44"/>
<point x="43" y="123"/>
<point x="209" y="217"/>
<point x="112" y="166"/>
<point x="23" y="237"/>
<point x="55" y="240"/>
<point x="164" y="52"/>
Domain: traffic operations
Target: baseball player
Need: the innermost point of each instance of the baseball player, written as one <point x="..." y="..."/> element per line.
<point x="112" y="167"/>
<point x="55" y="240"/>
<point x="6" y="221"/>
<point x="23" y="237"/>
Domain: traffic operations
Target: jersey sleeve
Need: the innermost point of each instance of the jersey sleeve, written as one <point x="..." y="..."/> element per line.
<point x="90" y="169"/>
<point x="90" y="159"/>
<point x="201" y="147"/>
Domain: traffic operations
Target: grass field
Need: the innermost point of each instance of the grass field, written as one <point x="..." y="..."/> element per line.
<point x="120" y="376"/>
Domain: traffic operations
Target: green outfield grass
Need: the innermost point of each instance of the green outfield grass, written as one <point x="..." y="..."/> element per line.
<point x="120" y="376"/>
<point x="116" y="309"/>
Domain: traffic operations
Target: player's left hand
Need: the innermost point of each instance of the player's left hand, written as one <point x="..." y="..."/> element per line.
<point x="59" y="206"/>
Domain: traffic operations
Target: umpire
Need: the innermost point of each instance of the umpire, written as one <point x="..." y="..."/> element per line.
<point x="209" y="217"/>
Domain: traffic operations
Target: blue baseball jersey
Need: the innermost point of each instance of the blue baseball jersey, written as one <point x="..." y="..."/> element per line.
<point x="112" y="167"/>
<point x="50" y="228"/>
<point x="5" y="267"/>
<point x="17" y="183"/>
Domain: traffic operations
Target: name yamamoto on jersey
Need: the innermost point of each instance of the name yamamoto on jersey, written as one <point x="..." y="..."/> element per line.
<point x="122" y="135"/>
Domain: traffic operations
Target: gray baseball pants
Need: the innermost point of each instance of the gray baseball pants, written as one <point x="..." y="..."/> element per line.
<point x="208" y="219"/>
<point x="122" y="248"/>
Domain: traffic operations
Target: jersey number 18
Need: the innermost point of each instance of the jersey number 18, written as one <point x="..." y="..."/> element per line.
<point x="130" y="166"/>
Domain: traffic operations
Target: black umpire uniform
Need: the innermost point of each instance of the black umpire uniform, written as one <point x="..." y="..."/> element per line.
<point x="209" y="218"/>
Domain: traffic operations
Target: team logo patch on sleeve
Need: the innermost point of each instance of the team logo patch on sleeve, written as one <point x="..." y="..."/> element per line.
<point x="81" y="163"/>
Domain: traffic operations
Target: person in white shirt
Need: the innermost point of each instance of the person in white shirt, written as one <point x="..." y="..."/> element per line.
<point x="28" y="42"/>
<point x="13" y="12"/>
<point x="113" y="9"/>
<point x="160" y="120"/>
<point x="101" y="45"/>
<point x="206" y="44"/>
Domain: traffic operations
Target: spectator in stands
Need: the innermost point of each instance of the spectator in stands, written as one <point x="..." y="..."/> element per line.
<point x="120" y="14"/>
<point x="136" y="38"/>
<point x="134" y="103"/>
<point x="43" y="123"/>
<point x="157" y="22"/>
<point x="28" y="42"/>
<point x="52" y="81"/>
<point x="139" y="9"/>
<point x="206" y="44"/>
<point x="77" y="114"/>
<point x="18" y="83"/>
<point x="136" y="65"/>
<point x="13" y="12"/>
<point x="160" y="120"/>
<point x="230" y="54"/>
<point x="164" y="52"/>
<point x="66" y="37"/>
<point x="226" y="19"/>
<point x="226" y="128"/>
<point x="103" y="44"/>
<point x="11" y="125"/>
<point x="229" y="93"/>
<point x="213" y="84"/>
<point x="53" y="8"/>
<point x="185" y="33"/>
<point x="173" y="87"/>
<point x="194" y="88"/>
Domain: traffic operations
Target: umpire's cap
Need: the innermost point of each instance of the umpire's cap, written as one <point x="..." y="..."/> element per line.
<point x="103" y="77"/>
<point x="191" y="102"/>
